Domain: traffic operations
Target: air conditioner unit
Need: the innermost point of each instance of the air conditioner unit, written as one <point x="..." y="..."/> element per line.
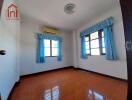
<point x="50" y="30"/>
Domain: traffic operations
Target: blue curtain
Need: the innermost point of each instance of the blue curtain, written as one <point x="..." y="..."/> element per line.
<point x="49" y="36"/>
<point x="106" y="25"/>
<point x="109" y="44"/>
<point x="40" y="48"/>
<point x="59" y="51"/>
<point x="40" y="51"/>
<point x="98" y="26"/>
<point x="83" y="48"/>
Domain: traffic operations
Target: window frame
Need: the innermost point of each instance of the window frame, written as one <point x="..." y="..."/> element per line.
<point x="51" y="48"/>
<point x="100" y="43"/>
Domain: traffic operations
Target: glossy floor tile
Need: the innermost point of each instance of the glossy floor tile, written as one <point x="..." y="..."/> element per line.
<point x="69" y="84"/>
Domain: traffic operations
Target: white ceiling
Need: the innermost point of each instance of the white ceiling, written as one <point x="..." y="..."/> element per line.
<point x="51" y="12"/>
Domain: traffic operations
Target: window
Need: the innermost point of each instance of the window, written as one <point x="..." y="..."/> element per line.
<point x="51" y="48"/>
<point x="95" y="43"/>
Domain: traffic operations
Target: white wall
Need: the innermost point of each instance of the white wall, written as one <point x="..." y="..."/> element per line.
<point x="9" y="30"/>
<point x="71" y="47"/>
<point x="99" y="63"/>
<point x="75" y="49"/>
<point x="9" y="40"/>
<point x="28" y="45"/>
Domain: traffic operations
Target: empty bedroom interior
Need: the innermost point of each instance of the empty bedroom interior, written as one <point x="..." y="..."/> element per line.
<point x="62" y="50"/>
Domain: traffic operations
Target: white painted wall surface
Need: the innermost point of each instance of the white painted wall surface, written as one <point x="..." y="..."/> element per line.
<point x="9" y="31"/>
<point x="99" y="63"/>
<point x="74" y="49"/>
<point x="9" y="40"/>
<point x="28" y="45"/>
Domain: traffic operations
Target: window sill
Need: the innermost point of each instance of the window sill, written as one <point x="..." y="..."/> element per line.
<point x="51" y="56"/>
<point x="96" y="55"/>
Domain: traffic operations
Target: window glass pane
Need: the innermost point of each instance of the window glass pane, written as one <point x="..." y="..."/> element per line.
<point x="86" y="38"/>
<point x="94" y="35"/>
<point x="103" y="44"/>
<point x="47" y="43"/>
<point x="87" y="46"/>
<point x="54" y="51"/>
<point x="86" y="43"/>
<point x="95" y="52"/>
<point x="103" y="50"/>
<point x="102" y="33"/>
<point x="87" y="51"/>
<point x="47" y="51"/>
<point x="95" y="43"/>
<point x="54" y="43"/>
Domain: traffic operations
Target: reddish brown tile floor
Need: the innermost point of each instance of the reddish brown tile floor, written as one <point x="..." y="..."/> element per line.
<point x="69" y="84"/>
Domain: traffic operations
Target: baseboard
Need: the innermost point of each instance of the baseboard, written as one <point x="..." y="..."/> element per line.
<point x="116" y="78"/>
<point x="18" y="81"/>
<point x="13" y="88"/>
<point x="69" y="67"/>
<point x="28" y="75"/>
